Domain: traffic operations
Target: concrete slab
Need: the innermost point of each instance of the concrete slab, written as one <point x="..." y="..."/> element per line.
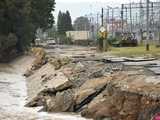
<point x="142" y="63"/>
<point x="139" y="59"/>
<point x="155" y="70"/>
<point x="114" y="60"/>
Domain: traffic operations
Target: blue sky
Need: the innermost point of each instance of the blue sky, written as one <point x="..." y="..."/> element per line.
<point x="81" y="7"/>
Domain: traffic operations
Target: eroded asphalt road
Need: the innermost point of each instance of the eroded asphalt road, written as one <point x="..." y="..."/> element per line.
<point x="13" y="96"/>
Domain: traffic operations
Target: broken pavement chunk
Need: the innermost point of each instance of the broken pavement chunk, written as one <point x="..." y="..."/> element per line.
<point x="89" y="90"/>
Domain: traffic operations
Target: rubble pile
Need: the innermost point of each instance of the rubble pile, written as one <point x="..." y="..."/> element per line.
<point x="95" y="88"/>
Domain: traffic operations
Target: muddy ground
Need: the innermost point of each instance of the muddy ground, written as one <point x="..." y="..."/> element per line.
<point x="95" y="85"/>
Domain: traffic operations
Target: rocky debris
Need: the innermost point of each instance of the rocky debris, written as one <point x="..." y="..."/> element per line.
<point x="152" y="65"/>
<point x="59" y="62"/>
<point x="141" y="63"/>
<point x="83" y="71"/>
<point x="40" y="54"/>
<point x="62" y="102"/>
<point x="155" y="70"/>
<point x="126" y="97"/>
<point x="72" y="100"/>
<point x="114" y="60"/>
<point x="47" y="82"/>
<point x="89" y="90"/>
<point x="139" y="59"/>
<point x="114" y="104"/>
<point x="44" y="81"/>
<point x="34" y="82"/>
<point x="114" y="67"/>
<point x="76" y="60"/>
<point x="40" y="60"/>
<point x="59" y="82"/>
<point x="126" y="59"/>
<point x="103" y="90"/>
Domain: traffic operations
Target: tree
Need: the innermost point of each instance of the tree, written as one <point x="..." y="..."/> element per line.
<point x="64" y="22"/>
<point x="41" y="13"/>
<point x="13" y="21"/>
<point x="41" y="16"/>
<point x="52" y="32"/>
<point x="68" y="21"/>
<point x="60" y="23"/>
<point x="82" y="23"/>
<point x="19" y="20"/>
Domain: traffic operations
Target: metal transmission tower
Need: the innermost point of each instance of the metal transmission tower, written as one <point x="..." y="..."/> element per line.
<point x="141" y="20"/>
<point x="122" y="18"/>
<point x="130" y="13"/>
<point x="159" y="29"/>
<point x="152" y="18"/>
<point x="126" y="17"/>
<point x="147" y="20"/>
<point x="143" y="13"/>
<point x="113" y="14"/>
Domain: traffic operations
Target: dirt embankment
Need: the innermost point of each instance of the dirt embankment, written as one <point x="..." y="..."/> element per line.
<point x="93" y="88"/>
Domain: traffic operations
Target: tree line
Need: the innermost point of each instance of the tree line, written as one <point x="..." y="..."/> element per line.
<point x="19" y="20"/>
<point x="64" y="23"/>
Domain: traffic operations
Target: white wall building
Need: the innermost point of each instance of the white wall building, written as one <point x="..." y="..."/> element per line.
<point x="79" y="35"/>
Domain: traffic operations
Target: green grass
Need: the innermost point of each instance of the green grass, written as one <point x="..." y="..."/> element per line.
<point x="136" y="51"/>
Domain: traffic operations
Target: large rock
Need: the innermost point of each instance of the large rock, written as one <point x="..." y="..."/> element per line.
<point x="115" y="104"/>
<point x="59" y="62"/>
<point x="40" y="60"/>
<point x="86" y="70"/>
<point x="89" y="90"/>
<point x="46" y="81"/>
<point x="62" y="102"/>
<point x="126" y="97"/>
<point x="59" y="82"/>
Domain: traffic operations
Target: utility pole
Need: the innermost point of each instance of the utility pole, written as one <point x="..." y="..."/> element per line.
<point x="126" y="18"/>
<point x="103" y="46"/>
<point x="152" y="18"/>
<point x="159" y="28"/>
<point x="103" y="41"/>
<point x="100" y="40"/>
<point x="122" y="21"/>
<point x="131" y="29"/>
<point x="147" y="41"/>
<point x="102" y="16"/>
<point x="141" y="22"/>
<point x="112" y="20"/>
<point x="97" y="22"/>
<point x="136" y="23"/>
<point x="108" y="19"/>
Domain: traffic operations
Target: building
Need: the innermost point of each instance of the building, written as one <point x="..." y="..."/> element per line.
<point x="79" y="37"/>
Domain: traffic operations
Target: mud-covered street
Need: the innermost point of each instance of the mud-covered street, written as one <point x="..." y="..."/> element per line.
<point x="13" y="94"/>
<point x="67" y="82"/>
<point x="95" y="85"/>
